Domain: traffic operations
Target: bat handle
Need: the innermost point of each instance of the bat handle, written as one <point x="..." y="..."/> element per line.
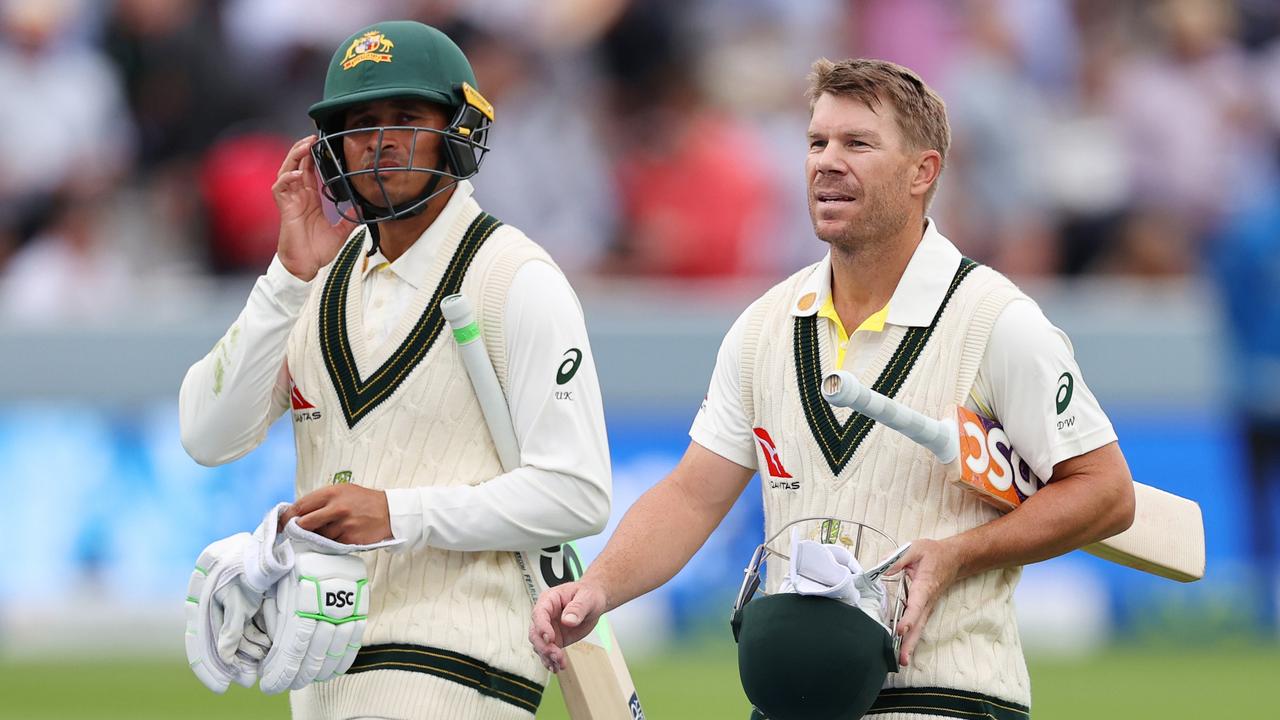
<point x="842" y="389"/>
<point x="461" y="316"/>
<point x="459" y="313"/>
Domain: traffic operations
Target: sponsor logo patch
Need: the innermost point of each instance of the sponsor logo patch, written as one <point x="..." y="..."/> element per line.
<point x="570" y="366"/>
<point x="299" y="402"/>
<point x="559" y="564"/>
<point x="1066" y="385"/>
<point x="988" y="460"/>
<point x="771" y="457"/>
<point x="339" y="599"/>
<point x="302" y="409"/>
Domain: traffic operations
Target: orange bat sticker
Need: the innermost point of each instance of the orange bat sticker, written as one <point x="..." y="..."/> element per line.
<point x="989" y="465"/>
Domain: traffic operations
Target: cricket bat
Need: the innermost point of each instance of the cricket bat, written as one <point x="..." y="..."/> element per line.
<point x="596" y="683"/>
<point x="1167" y="535"/>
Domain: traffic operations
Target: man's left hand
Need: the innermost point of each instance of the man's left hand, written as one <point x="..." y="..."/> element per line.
<point x="932" y="566"/>
<point x="346" y="513"/>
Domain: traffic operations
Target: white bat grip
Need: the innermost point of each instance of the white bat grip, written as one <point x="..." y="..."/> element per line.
<point x="842" y="389"/>
<point x="461" y="317"/>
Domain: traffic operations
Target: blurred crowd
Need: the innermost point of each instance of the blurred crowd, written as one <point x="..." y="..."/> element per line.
<point x="139" y="138"/>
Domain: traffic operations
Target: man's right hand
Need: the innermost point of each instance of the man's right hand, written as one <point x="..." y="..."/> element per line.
<point x="564" y="615"/>
<point x="307" y="241"/>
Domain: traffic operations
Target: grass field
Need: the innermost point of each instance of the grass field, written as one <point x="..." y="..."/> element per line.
<point x="1123" y="683"/>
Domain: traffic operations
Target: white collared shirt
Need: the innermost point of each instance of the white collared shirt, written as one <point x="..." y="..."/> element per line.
<point x="1020" y="373"/>
<point x="561" y="491"/>
<point x="389" y="287"/>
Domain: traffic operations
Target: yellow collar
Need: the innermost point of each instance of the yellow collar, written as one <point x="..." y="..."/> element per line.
<point x="874" y="323"/>
<point x="919" y="293"/>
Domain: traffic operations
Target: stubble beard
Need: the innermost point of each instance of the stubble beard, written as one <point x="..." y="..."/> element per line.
<point x="399" y="189"/>
<point x="868" y="233"/>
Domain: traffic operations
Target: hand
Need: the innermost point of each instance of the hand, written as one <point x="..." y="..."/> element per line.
<point x="932" y="567"/>
<point x="307" y="241"/>
<point x="346" y="513"/>
<point x="564" y="615"/>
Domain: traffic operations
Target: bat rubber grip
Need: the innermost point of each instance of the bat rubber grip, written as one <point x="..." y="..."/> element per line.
<point x="842" y="389"/>
<point x="459" y="313"/>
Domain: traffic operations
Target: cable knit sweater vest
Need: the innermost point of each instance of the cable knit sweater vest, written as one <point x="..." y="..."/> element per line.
<point x="969" y="662"/>
<point x="405" y="415"/>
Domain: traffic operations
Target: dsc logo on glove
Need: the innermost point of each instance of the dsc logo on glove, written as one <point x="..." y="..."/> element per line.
<point x="339" y="599"/>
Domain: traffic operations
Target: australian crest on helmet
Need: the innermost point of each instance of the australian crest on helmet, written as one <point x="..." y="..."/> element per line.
<point x="372" y="45"/>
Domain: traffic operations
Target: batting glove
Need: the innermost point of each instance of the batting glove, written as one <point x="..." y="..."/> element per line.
<point x="224" y="594"/>
<point x="316" y="614"/>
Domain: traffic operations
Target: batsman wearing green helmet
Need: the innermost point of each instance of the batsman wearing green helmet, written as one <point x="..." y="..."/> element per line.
<point x="344" y="332"/>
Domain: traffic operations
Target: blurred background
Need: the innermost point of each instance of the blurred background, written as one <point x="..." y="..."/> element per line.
<point x="1120" y="159"/>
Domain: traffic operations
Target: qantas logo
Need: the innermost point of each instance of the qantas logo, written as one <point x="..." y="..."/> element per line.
<point x="299" y="402"/>
<point x="770" y="451"/>
<point x="302" y="410"/>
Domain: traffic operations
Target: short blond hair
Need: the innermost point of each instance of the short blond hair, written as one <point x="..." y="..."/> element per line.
<point x="921" y="113"/>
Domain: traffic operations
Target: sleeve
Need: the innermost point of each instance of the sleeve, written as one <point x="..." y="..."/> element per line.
<point x="562" y="489"/>
<point x="232" y="395"/>
<point x="1030" y="383"/>
<point x="722" y="425"/>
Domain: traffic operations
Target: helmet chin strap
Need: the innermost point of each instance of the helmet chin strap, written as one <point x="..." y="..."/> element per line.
<point x="368" y="209"/>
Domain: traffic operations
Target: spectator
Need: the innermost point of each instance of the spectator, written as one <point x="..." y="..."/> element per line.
<point x="68" y="273"/>
<point x="996" y="203"/>
<point x="548" y="172"/>
<point x="63" y="120"/>
<point x="756" y="55"/>
<point x="242" y="217"/>
<point x="1086" y="167"/>
<point x="175" y="67"/>
<point x="929" y="47"/>
<point x="695" y="201"/>
<point x="695" y="198"/>
<point x="1187" y="113"/>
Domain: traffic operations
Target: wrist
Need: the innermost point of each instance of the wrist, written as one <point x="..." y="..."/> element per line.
<point x="404" y="514"/>
<point x="964" y="555"/>
<point x="300" y="273"/>
<point x="284" y="274"/>
<point x="593" y="582"/>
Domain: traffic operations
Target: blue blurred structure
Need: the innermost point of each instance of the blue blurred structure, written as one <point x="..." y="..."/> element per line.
<point x="1246" y="267"/>
<point x="110" y="501"/>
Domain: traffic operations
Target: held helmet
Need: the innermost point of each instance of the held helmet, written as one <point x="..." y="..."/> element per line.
<point x="804" y="656"/>
<point x="398" y="59"/>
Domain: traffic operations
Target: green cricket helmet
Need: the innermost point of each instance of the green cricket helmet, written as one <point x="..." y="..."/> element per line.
<point x="398" y="59"/>
<point x="805" y="657"/>
<point x="802" y="657"/>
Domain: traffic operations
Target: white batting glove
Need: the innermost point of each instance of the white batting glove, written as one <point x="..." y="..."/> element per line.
<point x="223" y="595"/>
<point x="269" y="556"/>
<point x="215" y="612"/>
<point x="832" y="571"/>
<point x="822" y="570"/>
<point x="317" y="613"/>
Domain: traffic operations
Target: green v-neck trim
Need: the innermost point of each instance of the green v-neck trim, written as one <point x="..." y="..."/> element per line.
<point x="839" y="442"/>
<point x="359" y="396"/>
